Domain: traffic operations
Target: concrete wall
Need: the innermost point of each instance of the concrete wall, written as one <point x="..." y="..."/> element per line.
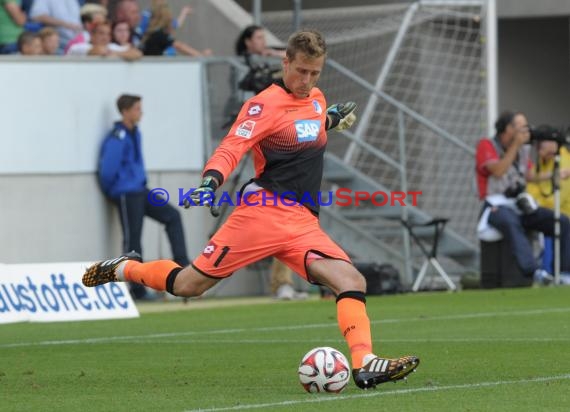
<point x="57" y="110"/>
<point x="53" y="120"/>
<point x="55" y="113"/>
<point x="64" y="217"/>
<point x="534" y="68"/>
<point x="532" y="8"/>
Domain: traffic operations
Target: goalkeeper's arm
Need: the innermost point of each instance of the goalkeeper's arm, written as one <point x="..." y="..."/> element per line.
<point x="340" y="116"/>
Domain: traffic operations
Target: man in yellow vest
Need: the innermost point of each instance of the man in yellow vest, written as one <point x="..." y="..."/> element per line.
<point x="543" y="192"/>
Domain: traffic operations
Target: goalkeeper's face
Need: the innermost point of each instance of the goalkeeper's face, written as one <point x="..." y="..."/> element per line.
<point x="301" y="74"/>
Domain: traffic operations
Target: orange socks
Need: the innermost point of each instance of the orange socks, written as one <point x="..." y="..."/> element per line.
<point x="152" y="274"/>
<point x="354" y="325"/>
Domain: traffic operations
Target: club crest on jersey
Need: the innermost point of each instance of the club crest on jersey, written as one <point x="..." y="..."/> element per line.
<point x="317" y="107"/>
<point x="245" y="129"/>
<point x="255" y="109"/>
<point x="209" y="250"/>
<point x="120" y="133"/>
<point x="307" y="130"/>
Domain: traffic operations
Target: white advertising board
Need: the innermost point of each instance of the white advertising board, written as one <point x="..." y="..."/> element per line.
<point x="53" y="292"/>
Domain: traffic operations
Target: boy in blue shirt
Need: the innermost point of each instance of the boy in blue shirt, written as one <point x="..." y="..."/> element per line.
<point x="122" y="177"/>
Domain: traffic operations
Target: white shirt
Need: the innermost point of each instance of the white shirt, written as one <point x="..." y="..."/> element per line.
<point x="66" y="10"/>
<point x="83" y="49"/>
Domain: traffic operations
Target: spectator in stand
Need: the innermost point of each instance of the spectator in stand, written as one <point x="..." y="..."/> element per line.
<point x="121" y="34"/>
<point x="91" y="15"/>
<point x="159" y="37"/>
<point x="104" y="3"/>
<point x="176" y="23"/>
<point x="101" y="46"/>
<point x="12" y="20"/>
<point x="29" y="44"/>
<point x="129" y="11"/>
<point x="30" y="25"/>
<point x="62" y="14"/>
<point x="252" y="41"/>
<point x="50" y="41"/>
<point x="26" y="6"/>
<point x="264" y="65"/>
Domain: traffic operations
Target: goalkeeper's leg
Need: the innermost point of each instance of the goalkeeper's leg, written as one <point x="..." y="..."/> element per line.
<point x="161" y="275"/>
<point x="349" y="285"/>
<point x="216" y="262"/>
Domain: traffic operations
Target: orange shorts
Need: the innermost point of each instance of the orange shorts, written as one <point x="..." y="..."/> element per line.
<point x="252" y="233"/>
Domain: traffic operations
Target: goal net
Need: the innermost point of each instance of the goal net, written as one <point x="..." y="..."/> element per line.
<point x="431" y="58"/>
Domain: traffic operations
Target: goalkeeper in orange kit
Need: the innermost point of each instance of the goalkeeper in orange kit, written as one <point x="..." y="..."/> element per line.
<point x="285" y="128"/>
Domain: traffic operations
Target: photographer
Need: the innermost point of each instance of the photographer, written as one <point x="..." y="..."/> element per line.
<point x="543" y="191"/>
<point x="264" y="62"/>
<point x="503" y="167"/>
<point x="263" y="68"/>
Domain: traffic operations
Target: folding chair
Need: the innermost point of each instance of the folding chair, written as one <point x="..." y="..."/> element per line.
<point x="431" y="255"/>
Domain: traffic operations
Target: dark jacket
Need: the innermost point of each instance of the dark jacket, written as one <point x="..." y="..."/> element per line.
<point x="121" y="166"/>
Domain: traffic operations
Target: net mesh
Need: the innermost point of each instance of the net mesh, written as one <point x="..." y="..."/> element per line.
<point x="438" y="71"/>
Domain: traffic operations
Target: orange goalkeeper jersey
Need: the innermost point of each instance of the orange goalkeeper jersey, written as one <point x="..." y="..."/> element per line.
<point x="288" y="139"/>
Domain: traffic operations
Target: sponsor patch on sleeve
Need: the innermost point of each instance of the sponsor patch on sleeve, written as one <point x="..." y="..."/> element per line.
<point x="254" y="109"/>
<point x="245" y="129"/>
<point x="209" y="250"/>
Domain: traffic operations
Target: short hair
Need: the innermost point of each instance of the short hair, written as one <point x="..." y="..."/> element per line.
<point x="126" y="101"/>
<point x="246" y="34"/>
<point x="26" y="38"/>
<point x="505" y="119"/>
<point x="47" y="31"/>
<point x="89" y="10"/>
<point x="309" y="42"/>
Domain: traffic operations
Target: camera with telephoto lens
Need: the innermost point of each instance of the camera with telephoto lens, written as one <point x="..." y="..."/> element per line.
<point x="259" y="78"/>
<point x="526" y="203"/>
<point x="548" y="133"/>
<point x="515" y="191"/>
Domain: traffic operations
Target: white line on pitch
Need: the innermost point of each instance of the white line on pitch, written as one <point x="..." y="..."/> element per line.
<point x="333" y="398"/>
<point x="340" y="340"/>
<point x="282" y="328"/>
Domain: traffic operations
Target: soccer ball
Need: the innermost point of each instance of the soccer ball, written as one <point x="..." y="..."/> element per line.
<point x="324" y="369"/>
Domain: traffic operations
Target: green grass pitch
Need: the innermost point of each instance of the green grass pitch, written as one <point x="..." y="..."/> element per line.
<point x="502" y="350"/>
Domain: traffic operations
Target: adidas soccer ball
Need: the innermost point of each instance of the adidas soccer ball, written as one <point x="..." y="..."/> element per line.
<point x="324" y="369"/>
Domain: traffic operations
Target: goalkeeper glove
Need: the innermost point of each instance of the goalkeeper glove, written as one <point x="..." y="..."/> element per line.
<point x="342" y="115"/>
<point x="205" y="195"/>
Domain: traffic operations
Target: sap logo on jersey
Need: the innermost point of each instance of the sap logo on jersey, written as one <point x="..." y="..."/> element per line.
<point x="307" y="130"/>
<point x="245" y="129"/>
